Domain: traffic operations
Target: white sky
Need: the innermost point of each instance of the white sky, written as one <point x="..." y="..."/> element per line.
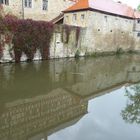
<point x="132" y="3"/>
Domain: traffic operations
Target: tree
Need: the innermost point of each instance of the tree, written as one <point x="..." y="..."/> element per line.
<point x="138" y="8"/>
<point x="131" y="113"/>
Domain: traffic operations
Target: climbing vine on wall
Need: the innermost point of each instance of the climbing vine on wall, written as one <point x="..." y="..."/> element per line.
<point x="26" y="36"/>
<point x="77" y="35"/>
<point x="67" y="30"/>
<point x="31" y="35"/>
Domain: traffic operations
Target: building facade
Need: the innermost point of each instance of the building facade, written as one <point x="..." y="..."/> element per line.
<point x="108" y="21"/>
<point x="102" y="12"/>
<point x="36" y="9"/>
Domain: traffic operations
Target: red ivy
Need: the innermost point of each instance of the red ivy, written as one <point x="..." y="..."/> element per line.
<point x="27" y="36"/>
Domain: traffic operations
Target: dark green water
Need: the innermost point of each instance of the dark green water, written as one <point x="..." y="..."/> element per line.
<point x="84" y="99"/>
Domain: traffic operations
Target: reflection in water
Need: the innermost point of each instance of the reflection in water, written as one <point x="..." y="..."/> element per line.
<point x="40" y="98"/>
<point x="23" y="118"/>
<point x="132" y="111"/>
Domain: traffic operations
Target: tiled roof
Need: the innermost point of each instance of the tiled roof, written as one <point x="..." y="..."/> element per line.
<point x="74" y="0"/>
<point x="108" y="6"/>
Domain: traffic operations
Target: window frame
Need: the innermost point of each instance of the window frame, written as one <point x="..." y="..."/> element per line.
<point x="43" y="5"/>
<point x="28" y="3"/>
<point x="82" y="17"/>
<point x="138" y="34"/>
<point x="138" y="21"/>
<point x="74" y="17"/>
<point x="5" y="2"/>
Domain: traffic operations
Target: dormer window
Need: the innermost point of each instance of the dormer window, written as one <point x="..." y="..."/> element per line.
<point x="44" y="4"/>
<point x="6" y="2"/>
<point x="28" y="3"/>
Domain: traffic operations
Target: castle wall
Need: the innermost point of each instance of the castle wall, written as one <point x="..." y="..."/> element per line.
<point x="103" y="33"/>
<point x="100" y="33"/>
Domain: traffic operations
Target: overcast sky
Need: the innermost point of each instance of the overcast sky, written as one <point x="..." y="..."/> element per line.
<point x="132" y="3"/>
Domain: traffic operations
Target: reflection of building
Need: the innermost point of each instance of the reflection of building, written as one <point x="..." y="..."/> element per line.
<point x="25" y="118"/>
<point x="67" y="84"/>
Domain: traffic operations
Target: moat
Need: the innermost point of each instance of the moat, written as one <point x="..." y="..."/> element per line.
<point x="71" y="99"/>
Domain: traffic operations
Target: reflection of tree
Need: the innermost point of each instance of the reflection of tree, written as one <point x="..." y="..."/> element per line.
<point x="132" y="111"/>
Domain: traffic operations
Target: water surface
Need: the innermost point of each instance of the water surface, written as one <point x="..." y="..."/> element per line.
<point x="84" y="99"/>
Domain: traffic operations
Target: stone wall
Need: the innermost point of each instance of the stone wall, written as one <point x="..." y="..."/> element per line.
<point x="14" y="7"/>
<point x="99" y="37"/>
<point x="55" y="7"/>
<point x="104" y="32"/>
<point x="79" y="18"/>
<point x="60" y="47"/>
<point x="136" y="32"/>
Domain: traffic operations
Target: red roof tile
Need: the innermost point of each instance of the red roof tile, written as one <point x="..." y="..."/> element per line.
<point x="81" y="4"/>
<point x="104" y="5"/>
<point x="74" y="0"/>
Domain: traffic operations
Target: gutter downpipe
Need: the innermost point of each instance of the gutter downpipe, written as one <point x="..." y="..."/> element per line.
<point x="22" y="9"/>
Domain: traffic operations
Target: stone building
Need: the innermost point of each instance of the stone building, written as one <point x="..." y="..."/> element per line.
<point x="104" y="13"/>
<point x="107" y="27"/>
<point x="36" y="9"/>
<point x="110" y="25"/>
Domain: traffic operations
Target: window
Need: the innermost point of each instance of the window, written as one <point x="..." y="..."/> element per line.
<point x="138" y="34"/>
<point x="67" y="18"/>
<point x="44" y="4"/>
<point x="6" y="2"/>
<point x="82" y="17"/>
<point x="28" y="3"/>
<point x="138" y="20"/>
<point x="105" y="18"/>
<point x="74" y="17"/>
